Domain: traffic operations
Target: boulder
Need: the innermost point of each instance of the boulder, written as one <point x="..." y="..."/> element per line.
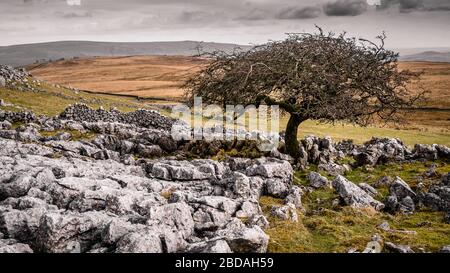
<point x="62" y="232"/>
<point x="393" y="248"/>
<point x="12" y="246"/>
<point x="407" y="205"/>
<point x="446" y="180"/>
<point x="353" y="195"/>
<point x="383" y="182"/>
<point x="5" y="125"/>
<point x="277" y="188"/>
<point x="213" y="246"/>
<point x="294" y="197"/>
<point x="428" y="152"/>
<point x="369" y="189"/>
<point x="401" y="189"/>
<point x="271" y="168"/>
<point x="445" y="249"/>
<point x="2" y="83"/>
<point x="258" y="220"/>
<point x="333" y="169"/>
<point x="287" y="212"/>
<point x="242" y="239"/>
<point x="140" y="242"/>
<point x="176" y="216"/>
<point x="318" y="181"/>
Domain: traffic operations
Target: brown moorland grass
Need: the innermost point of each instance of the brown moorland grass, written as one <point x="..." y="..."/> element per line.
<point x="161" y="76"/>
<point x="435" y="80"/>
<point x="143" y="76"/>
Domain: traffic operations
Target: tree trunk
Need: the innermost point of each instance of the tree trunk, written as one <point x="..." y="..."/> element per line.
<point x="291" y="135"/>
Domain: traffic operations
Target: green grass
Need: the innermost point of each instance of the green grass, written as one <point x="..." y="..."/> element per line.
<point x="324" y="228"/>
<point x="362" y="134"/>
<point x="51" y="100"/>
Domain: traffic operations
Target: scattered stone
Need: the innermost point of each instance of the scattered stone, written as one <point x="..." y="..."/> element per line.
<point x="385" y="226"/>
<point x="11" y="77"/>
<point x="431" y="172"/>
<point x="391" y="247"/>
<point x="407" y="205"/>
<point x="401" y="189"/>
<point x="445" y="249"/>
<point x="286" y="212"/>
<point x="353" y="195"/>
<point x="333" y="169"/>
<point x="318" y="181"/>
<point x="294" y="197"/>
<point x="368" y="189"/>
<point x="373" y="247"/>
<point x="383" y="182"/>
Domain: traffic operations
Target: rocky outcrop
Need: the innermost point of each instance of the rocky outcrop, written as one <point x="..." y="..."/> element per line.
<point x="380" y="151"/>
<point x="18" y="79"/>
<point x="79" y="204"/>
<point x="401" y="197"/>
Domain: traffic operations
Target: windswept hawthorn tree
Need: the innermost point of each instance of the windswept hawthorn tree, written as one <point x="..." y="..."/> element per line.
<point x="321" y="76"/>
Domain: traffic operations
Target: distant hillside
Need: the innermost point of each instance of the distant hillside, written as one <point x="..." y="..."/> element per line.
<point x="20" y="55"/>
<point x="428" y="56"/>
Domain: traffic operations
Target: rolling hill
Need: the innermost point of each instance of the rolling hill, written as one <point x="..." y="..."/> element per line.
<point x="428" y="56"/>
<point x="20" y="55"/>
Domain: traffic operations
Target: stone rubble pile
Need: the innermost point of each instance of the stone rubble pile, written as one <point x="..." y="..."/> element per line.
<point x="383" y="150"/>
<point x="141" y="118"/>
<point x="16" y="78"/>
<point x="324" y="153"/>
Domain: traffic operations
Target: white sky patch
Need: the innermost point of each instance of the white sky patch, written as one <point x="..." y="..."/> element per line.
<point x="73" y="2"/>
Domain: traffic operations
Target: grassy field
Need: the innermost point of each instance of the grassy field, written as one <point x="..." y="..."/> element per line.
<point x="52" y="100"/>
<point x="411" y="136"/>
<point x="161" y="76"/>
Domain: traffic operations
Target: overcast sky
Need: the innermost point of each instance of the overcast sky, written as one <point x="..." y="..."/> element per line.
<point x="408" y="23"/>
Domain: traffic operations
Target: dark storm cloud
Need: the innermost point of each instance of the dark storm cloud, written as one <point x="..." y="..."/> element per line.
<point x="405" y="6"/>
<point x="299" y="13"/>
<point x="345" y="8"/>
